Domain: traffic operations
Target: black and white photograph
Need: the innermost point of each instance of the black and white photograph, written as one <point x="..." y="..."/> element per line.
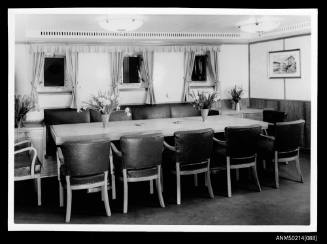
<point x="162" y="120"/>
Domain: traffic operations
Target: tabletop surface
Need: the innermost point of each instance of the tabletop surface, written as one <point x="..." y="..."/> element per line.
<point x="166" y="126"/>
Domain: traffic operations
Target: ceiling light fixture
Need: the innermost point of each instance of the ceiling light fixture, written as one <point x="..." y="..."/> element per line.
<point x="259" y="25"/>
<point x="120" y="24"/>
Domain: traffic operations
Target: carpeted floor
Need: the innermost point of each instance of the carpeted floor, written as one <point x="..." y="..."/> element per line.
<point x="288" y="205"/>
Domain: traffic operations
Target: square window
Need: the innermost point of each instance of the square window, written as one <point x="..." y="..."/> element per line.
<point x="131" y="69"/>
<point x="54" y="71"/>
<point x="200" y="68"/>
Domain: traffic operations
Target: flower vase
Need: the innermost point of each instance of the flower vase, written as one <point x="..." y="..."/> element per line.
<point x="105" y="119"/>
<point x="237" y="107"/>
<point x="204" y="114"/>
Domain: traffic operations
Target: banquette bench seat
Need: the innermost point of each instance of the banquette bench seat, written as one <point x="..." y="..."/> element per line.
<point x="144" y="111"/>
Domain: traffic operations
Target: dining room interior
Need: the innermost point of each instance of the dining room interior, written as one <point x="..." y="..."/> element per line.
<point x="129" y="118"/>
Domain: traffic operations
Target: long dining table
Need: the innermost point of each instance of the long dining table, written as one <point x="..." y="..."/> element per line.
<point x="166" y="126"/>
<point x="115" y="129"/>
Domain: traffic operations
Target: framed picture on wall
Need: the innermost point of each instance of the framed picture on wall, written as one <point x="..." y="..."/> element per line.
<point x="284" y="64"/>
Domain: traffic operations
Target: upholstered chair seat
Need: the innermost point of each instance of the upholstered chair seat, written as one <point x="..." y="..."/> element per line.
<point x="27" y="165"/>
<point x="151" y="112"/>
<point x="61" y="116"/>
<point x="183" y="110"/>
<point x="238" y="150"/>
<point x="23" y="164"/>
<point x="283" y="146"/>
<point x="83" y="165"/>
<point x="118" y="115"/>
<point x="272" y="117"/>
<point x="190" y="155"/>
<point x="138" y="158"/>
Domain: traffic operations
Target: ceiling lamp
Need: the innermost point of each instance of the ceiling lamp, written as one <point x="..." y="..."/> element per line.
<point x="259" y="25"/>
<point x="120" y="24"/>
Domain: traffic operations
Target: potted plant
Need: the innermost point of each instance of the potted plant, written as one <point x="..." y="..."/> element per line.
<point x="105" y="102"/>
<point x="23" y="104"/>
<point x="236" y="94"/>
<point x="203" y="101"/>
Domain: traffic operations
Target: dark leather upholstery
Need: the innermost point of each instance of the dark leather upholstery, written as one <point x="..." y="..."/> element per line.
<point x="141" y="151"/>
<point x="119" y="115"/>
<point x="193" y="146"/>
<point x="183" y="110"/>
<point x="273" y="116"/>
<point x="23" y="163"/>
<point x="151" y="112"/>
<point x="241" y="142"/>
<point x="61" y="116"/>
<point x="85" y="159"/>
<point x="65" y="116"/>
<point x="288" y="137"/>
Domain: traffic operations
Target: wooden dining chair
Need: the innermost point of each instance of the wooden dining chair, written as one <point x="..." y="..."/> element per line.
<point x="191" y="156"/>
<point x="84" y="165"/>
<point x="27" y="165"/>
<point x="284" y="146"/>
<point x="239" y="150"/>
<point x="138" y="158"/>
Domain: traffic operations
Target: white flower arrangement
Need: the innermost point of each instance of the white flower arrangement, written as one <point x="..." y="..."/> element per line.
<point x="204" y="100"/>
<point x="105" y="102"/>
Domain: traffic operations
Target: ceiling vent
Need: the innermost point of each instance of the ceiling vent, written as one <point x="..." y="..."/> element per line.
<point x="56" y="34"/>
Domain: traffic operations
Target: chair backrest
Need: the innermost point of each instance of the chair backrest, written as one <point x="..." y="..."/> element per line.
<point x="273" y="116"/>
<point x="289" y="135"/>
<point x="86" y="157"/>
<point x="151" y="111"/>
<point x="61" y="116"/>
<point x="193" y="146"/>
<point x="242" y="141"/>
<point x="141" y="151"/>
<point x="183" y="110"/>
<point x="118" y="115"/>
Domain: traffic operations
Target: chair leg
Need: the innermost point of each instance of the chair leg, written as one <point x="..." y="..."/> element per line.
<point x="264" y="164"/>
<point x="229" y="187"/>
<point x="178" y="184"/>
<point x="161" y="179"/>
<point x="125" y="191"/>
<point x="255" y="174"/>
<point x="158" y="181"/>
<point x="151" y="186"/>
<point x="105" y="195"/>
<point x="195" y="179"/>
<point x="61" y="195"/>
<point x="206" y="179"/>
<point x="237" y="174"/>
<point x="276" y="170"/>
<point x="209" y="181"/>
<point x="298" y="168"/>
<point x="39" y="192"/>
<point x="113" y="186"/>
<point x="69" y="200"/>
<point x="112" y="172"/>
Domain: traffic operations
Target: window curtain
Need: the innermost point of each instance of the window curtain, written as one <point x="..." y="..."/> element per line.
<point x="147" y="75"/>
<point x="72" y="71"/>
<point x="116" y="70"/>
<point x="189" y="57"/>
<point x="38" y="63"/>
<point x="213" y="68"/>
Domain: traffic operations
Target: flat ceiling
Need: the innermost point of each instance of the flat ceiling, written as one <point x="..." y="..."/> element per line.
<point x="204" y="23"/>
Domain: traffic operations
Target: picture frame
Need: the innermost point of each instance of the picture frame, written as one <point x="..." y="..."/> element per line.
<point x="284" y="64"/>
